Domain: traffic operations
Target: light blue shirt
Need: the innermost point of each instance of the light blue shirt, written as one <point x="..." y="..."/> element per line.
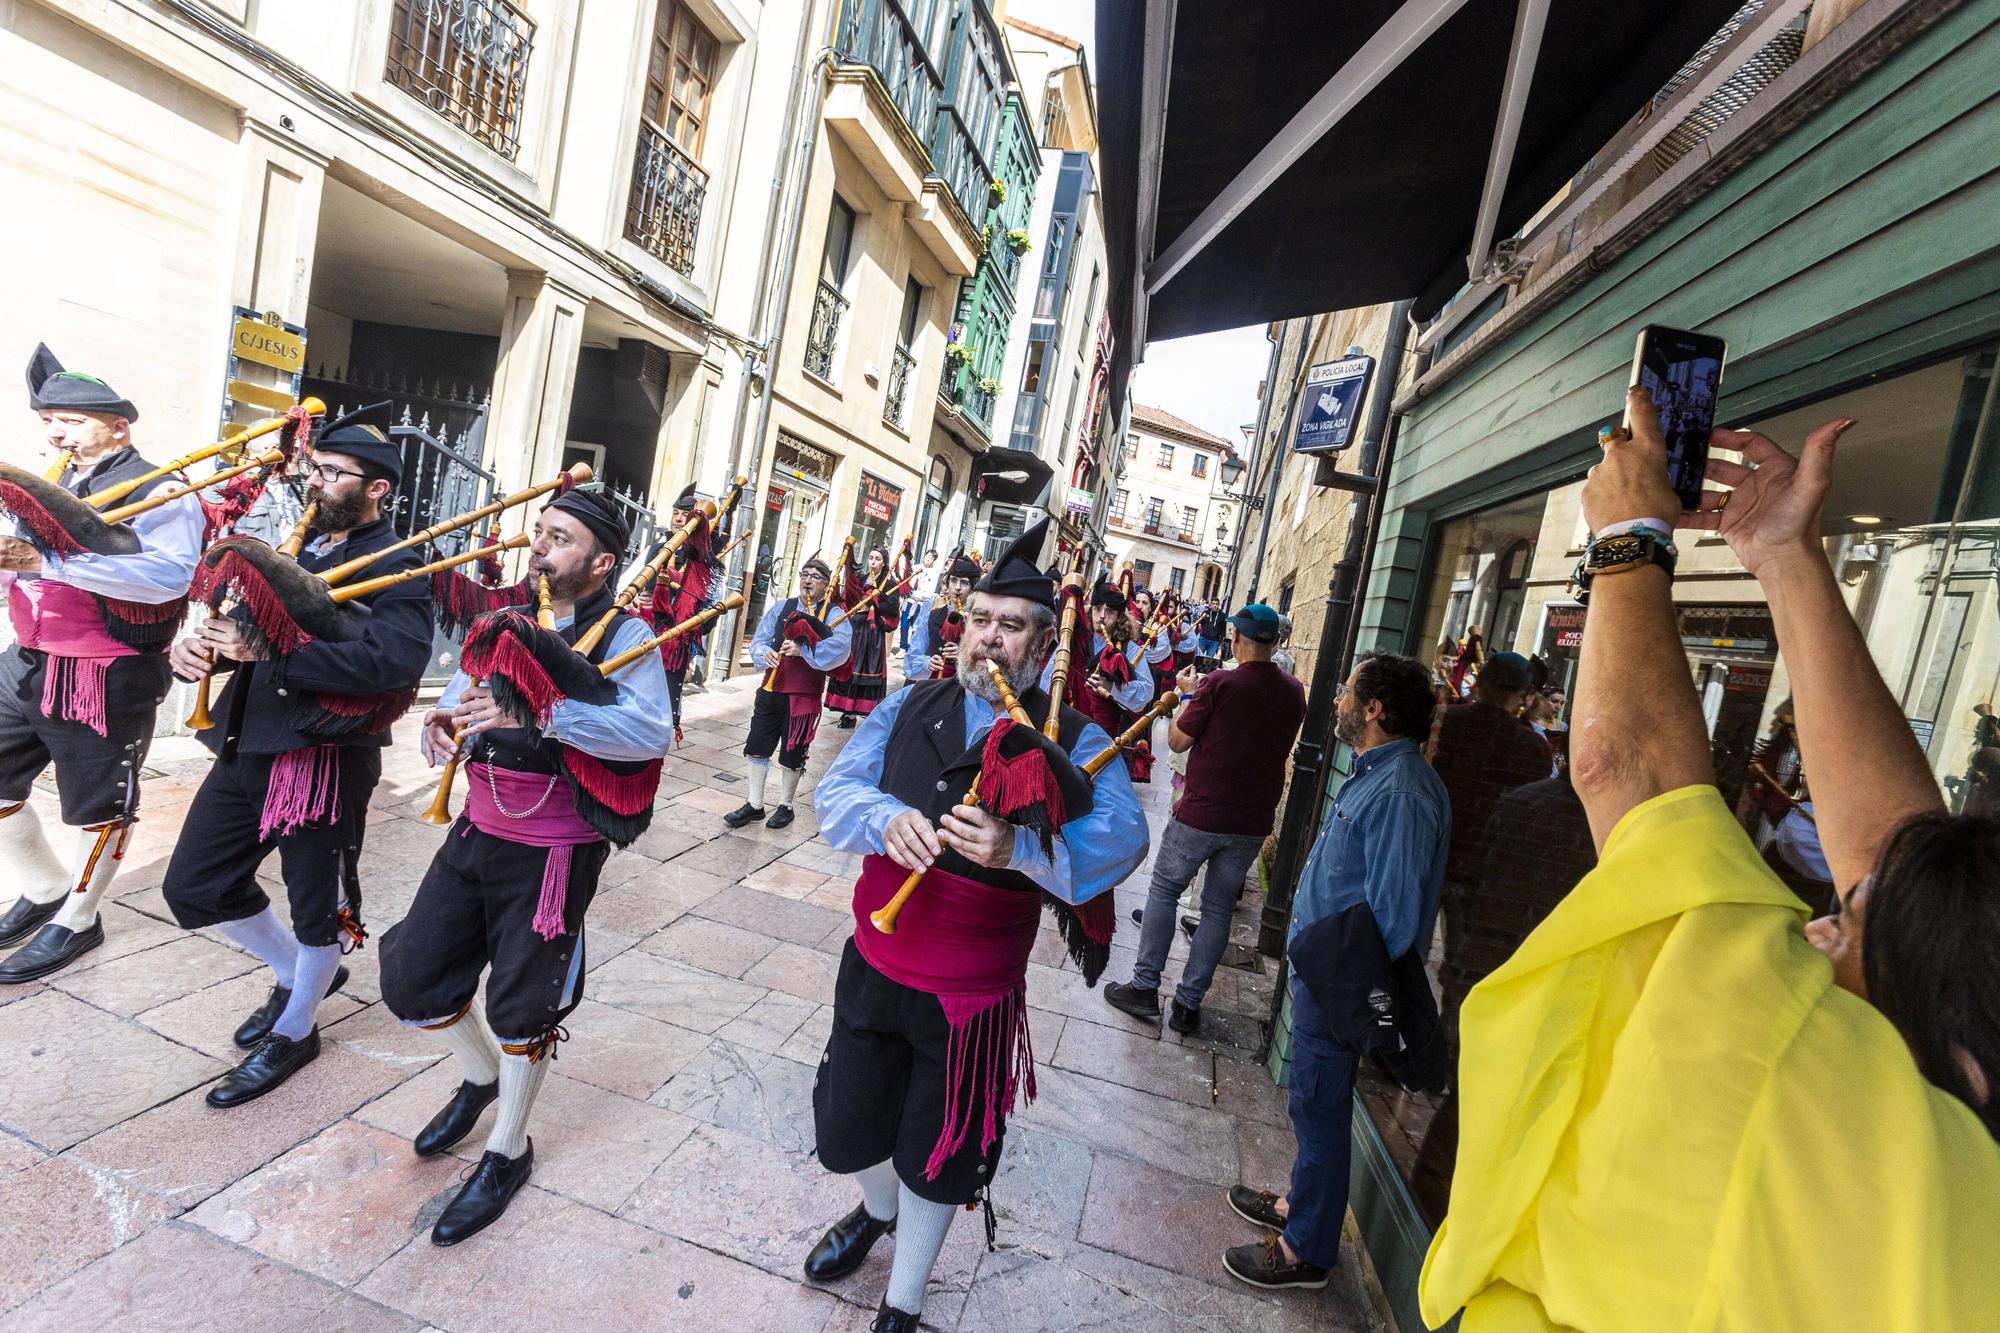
<point x="1092" y="854"/>
<point x="637" y="725"/>
<point x="1383" y="844"/>
<point x="1134" y="695"/>
<point x="825" y="655"/>
<point x="159" y="571"/>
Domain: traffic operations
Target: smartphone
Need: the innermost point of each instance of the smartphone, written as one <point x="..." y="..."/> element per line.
<point x="1682" y="370"/>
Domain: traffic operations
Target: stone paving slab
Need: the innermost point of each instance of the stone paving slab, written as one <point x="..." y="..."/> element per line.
<point x="674" y="1183"/>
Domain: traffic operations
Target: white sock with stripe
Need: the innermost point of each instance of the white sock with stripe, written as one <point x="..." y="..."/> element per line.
<point x="99" y="849"/>
<point x="31" y="863"/>
<point x="468" y="1038"/>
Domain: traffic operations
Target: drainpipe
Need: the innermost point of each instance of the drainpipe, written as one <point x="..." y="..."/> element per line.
<point x="1250" y="469"/>
<point x="770" y="325"/>
<point x="1337" y="638"/>
<point x="1279" y="449"/>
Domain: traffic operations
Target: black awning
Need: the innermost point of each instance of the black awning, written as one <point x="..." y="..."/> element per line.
<point x="1029" y="489"/>
<point x="1383" y="207"/>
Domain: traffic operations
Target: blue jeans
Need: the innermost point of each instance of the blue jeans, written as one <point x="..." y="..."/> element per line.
<point x="1321" y="1102"/>
<point x="1183" y="850"/>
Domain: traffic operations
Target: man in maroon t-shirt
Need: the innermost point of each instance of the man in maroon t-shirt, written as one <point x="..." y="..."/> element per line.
<point x="1237" y="729"/>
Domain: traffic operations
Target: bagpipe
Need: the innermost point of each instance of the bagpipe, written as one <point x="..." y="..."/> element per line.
<point x="285" y="607"/>
<point x="530" y="668"/>
<point x="1077" y="660"/>
<point x="697" y="535"/>
<point x="684" y="583"/>
<point x="903" y="571"/>
<point x="59" y="524"/>
<point x="1027" y="779"/>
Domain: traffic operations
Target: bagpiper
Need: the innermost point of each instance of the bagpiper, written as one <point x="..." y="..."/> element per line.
<point x="683" y="588"/>
<point x="933" y="653"/>
<point x="88" y="669"/>
<point x="797" y="646"/>
<point x="298" y="738"/>
<point x="562" y="762"/>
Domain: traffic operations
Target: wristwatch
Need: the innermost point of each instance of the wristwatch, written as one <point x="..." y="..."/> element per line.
<point x="1621" y="551"/>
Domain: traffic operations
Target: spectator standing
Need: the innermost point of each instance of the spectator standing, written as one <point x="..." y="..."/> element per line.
<point x="917" y="605"/>
<point x="1382" y="848"/>
<point x="1235" y="730"/>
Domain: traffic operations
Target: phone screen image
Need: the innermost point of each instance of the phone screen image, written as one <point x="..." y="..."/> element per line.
<point x="1682" y="371"/>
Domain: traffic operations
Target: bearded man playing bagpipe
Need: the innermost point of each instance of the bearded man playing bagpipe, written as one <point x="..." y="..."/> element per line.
<point x="88" y="669"/>
<point x="797" y="646"/>
<point x="930" y="1036"/>
<point x="298" y="739"/>
<point x="561" y="762"/>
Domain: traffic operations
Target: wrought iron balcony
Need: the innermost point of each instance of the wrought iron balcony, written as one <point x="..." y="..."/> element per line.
<point x="901" y="366"/>
<point x="879" y="34"/>
<point x="467" y="60"/>
<point x="829" y="308"/>
<point x="663" y="213"/>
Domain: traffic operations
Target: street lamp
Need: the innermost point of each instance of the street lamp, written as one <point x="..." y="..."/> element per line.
<point x="1232" y="472"/>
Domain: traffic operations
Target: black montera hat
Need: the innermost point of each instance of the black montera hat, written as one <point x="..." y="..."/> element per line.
<point x="1018" y="570"/>
<point x="51" y="388"/>
<point x="364" y="434"/>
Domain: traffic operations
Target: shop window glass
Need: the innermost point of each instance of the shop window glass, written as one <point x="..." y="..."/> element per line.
<point x="1913" y="533"/>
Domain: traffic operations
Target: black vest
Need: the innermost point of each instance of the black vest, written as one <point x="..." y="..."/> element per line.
<point x="526" y="750"/>
<point x="258" y="717"/>
<point x="154" y="636"/>
<point x="927" y="766"/>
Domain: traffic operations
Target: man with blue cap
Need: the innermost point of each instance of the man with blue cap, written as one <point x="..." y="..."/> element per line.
<point x="88" y="669"/>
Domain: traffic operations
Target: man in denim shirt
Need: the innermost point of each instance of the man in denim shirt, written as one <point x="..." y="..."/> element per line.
<point x="1384" y="845"/>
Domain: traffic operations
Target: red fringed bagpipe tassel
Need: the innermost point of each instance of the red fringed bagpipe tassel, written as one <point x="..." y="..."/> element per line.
<point x="457" y="601"/>
<point x="1017" y="782"/>
<point x="618" y="805"/>
<point x="232" y="576"/>
<point x="147" y="626"/>
<point x="57" y="523"/>
<point x="530" y="669"/>
<point x="333" y="716"/>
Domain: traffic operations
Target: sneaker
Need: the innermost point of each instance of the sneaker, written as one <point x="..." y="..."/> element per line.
<point x="1264" y="1265"/>
<point x="1190" y="924"/>
<point x="1143" y="1005"/>
<point x="1184" y="1020"/>
<point x="1258" y="1206"/>
<point x="745" y="813"/>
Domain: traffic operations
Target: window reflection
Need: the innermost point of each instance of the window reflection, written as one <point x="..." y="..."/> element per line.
<point x="1913" y="531"/>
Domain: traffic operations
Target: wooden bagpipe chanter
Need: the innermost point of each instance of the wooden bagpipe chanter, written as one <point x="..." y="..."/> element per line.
<point x="60" y="524"/>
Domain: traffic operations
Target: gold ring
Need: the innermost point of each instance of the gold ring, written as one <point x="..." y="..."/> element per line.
<point x="1612" y="434"/>
<point x="1723" y="503"/>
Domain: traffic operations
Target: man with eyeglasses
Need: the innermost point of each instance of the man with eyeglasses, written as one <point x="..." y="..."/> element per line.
<point x="298" y="750"/>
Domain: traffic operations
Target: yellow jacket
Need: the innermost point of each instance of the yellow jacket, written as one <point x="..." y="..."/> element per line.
<point x="1671" y="1118"/>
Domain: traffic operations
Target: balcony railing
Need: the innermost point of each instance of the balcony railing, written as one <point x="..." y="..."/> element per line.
<point x="468" y="61"/>
<point x="960" y="387"/>
<point x="663" y="214"/>
<point x="901" y="366"/>
<point x="877" y="33"/>
<point x="829" y="307"/>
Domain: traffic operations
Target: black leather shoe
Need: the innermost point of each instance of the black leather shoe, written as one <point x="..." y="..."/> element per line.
<point x="1143" y="1005"/>
<point x="845" y="1246"/>
<point x="53" y="949"/>
<point x="24" y="919"/>
<point x="265" y="1069"/>
<point x="258" y="1026"/>
<point x="888" y="1319"/>
<point x="780" y="818"/>
<point x="457" y="1118"/>
<point x="495" y="1181"/>
<point x="846" y="722"/>
<point x="1184" y="1020"/>
<point x="745" y="813"/>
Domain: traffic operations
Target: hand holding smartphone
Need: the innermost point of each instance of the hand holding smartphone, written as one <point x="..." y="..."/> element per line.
<point x="1682" y="371"/>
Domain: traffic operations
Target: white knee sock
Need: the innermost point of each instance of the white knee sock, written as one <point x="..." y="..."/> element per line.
<point x="31" y="863"/>
<point x="760" y="769"/>
<point x="878" y="1189"/>
<point x="310" y="978"/>
<point x="920" y="1228"/>
<point x="98" y="851"/>
<point x="520" y="1079"/>
<point x="788" y="783"/>
<point x="473" y="1043"/>
<point x="267" y="939"/>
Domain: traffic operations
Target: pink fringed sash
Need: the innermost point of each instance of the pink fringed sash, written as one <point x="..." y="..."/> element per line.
<point x="64" y="622"/>
<point x="543" y="815"/>
<point x="966" y="943"/>
<point x="304" y="789"/>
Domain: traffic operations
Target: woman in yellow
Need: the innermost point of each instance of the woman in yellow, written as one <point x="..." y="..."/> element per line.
<point x="1684" y="1107"/>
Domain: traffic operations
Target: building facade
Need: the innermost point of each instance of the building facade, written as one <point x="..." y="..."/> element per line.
<point x="1824" y="213"/>
<point x="1172" y="521"/>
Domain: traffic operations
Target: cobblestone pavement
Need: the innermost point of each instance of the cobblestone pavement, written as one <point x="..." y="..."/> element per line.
<point x="674" y="1182"/>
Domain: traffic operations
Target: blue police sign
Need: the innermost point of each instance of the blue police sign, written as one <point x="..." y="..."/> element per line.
<point x="1333" y="394"/>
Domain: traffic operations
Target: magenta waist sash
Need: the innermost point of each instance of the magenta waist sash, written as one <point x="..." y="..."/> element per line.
<point x="956" y="937"/>
<point x="544" y="816"/>
<point x="61" y="620"/>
